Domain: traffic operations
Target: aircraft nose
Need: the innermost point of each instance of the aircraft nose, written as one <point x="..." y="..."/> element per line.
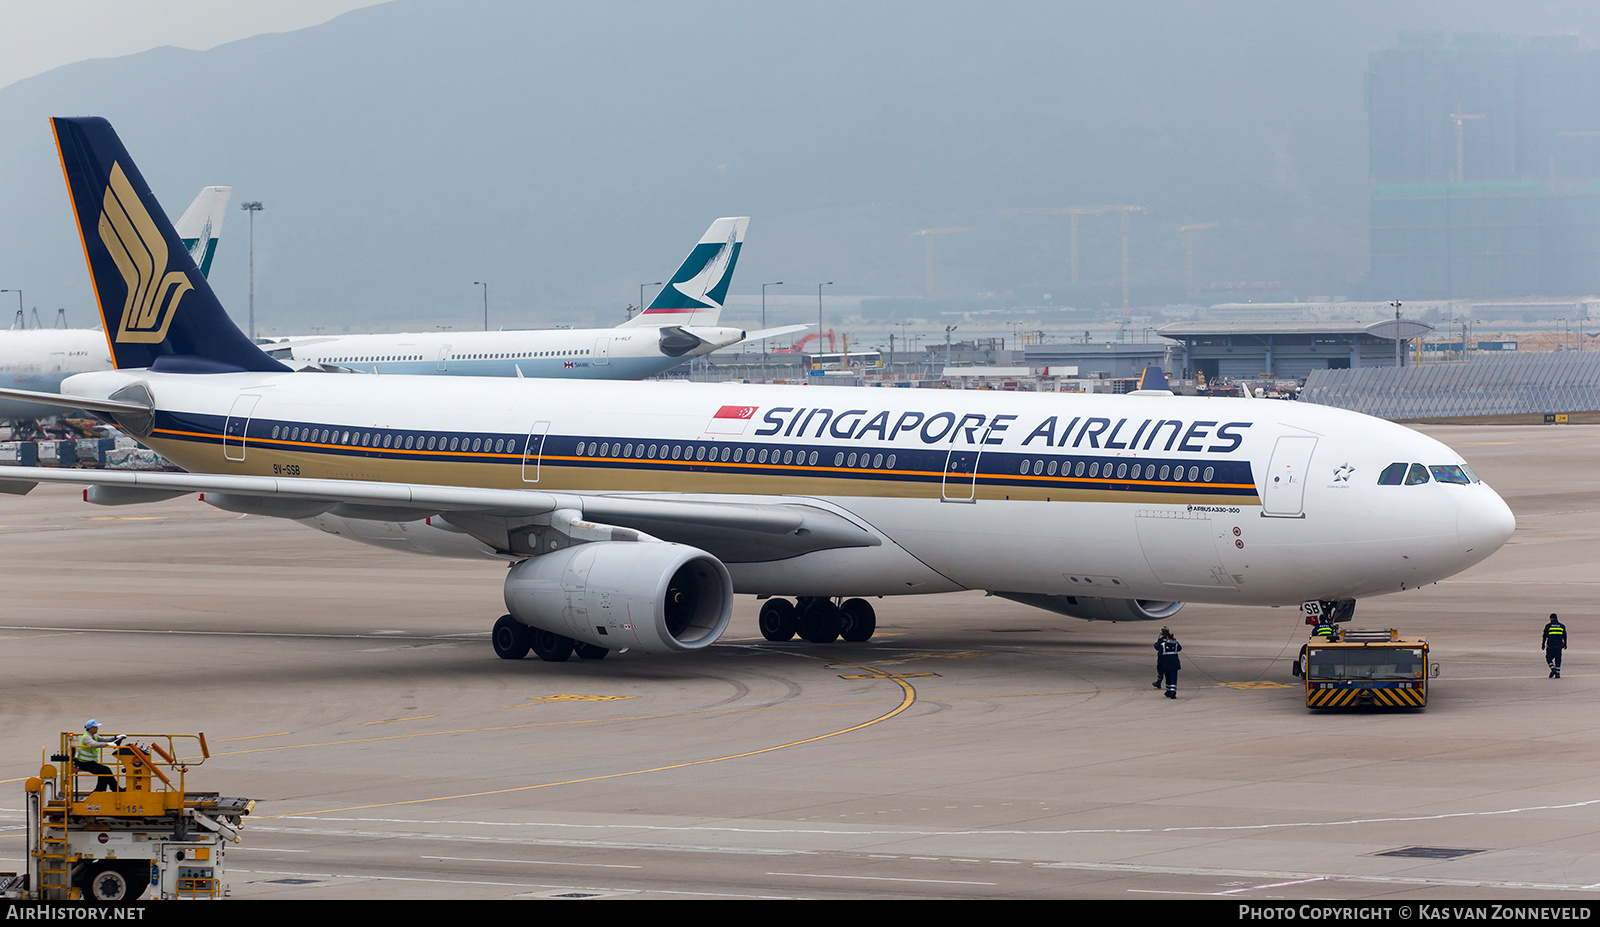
<point x="1484" y="522"/>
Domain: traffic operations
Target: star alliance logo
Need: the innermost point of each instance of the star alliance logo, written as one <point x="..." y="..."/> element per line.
<point x="1342" y="474"/>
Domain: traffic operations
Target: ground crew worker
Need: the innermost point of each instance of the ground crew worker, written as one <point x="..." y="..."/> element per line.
<point x="1325" y="630"/>
<point x="1167" y="663"/>
<point x="1554" y="641"/>
<point x="86" y="754"/>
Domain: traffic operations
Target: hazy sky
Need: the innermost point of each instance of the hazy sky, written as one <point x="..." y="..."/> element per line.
<point x="38" y="35"/>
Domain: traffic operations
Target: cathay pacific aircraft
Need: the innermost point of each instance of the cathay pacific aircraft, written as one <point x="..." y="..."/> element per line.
<point x="40" y="358"/>
<point x="680" y="324"/>
<point x="632" y="513"/>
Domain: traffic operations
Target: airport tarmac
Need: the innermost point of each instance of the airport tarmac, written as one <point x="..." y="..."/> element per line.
<point x="975" y="748"/>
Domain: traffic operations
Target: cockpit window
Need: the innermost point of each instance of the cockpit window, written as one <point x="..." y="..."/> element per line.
<point x="1417" y="474"/>
<point x="1450" y="473"/>
<point x="1392" y="475"/>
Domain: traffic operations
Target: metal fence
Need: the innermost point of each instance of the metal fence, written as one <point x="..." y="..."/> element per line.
<point x="1510" y="384"/>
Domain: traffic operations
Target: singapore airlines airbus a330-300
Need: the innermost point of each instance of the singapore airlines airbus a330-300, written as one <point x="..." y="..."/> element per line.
<point x="633" y="512"/>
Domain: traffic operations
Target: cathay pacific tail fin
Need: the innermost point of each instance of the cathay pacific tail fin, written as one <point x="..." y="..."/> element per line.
<point x="200" y="227"/>
<point x="695" y="294"/>
<point x="158" y="309"/>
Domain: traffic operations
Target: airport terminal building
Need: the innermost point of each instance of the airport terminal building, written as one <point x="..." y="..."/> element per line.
<point x="1287" y="350"/>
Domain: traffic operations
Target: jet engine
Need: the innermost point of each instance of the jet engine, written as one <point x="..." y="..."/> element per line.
<point x="1093" y="609"/>
<point x="647" y="596"/>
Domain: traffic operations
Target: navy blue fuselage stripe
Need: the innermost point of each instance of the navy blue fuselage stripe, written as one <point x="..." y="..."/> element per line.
<point x="997" y="468"/>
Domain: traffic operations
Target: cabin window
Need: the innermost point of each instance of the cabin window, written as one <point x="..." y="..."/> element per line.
<point x="1122" y="470"/>
<point x="1449" y="473"/>
<point x="1417" y="475"/>
<point x="877" y="460"/>
<point x="1208" y="473"/>
<point x="891" y="461"/>
<point x="812" y="460"/>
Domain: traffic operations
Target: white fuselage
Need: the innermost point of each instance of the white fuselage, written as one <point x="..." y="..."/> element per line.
<point x="1128" y="497"/>
<point x="38" y="359"/>
<point x="624" y="353"/>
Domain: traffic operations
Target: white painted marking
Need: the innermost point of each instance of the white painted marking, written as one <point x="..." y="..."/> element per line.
<point x="530" y="862"/>
<point x="815" y="875"/>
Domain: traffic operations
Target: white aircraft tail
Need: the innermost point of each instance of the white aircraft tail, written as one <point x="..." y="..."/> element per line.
<point x="695" y="293"/>
<point x="201" y="225"/>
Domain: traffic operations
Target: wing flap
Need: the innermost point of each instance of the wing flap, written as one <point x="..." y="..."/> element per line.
<point x="751" y="529"/>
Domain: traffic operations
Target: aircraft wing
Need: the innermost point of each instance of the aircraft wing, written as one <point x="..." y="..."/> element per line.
<point x="748" y="529"/>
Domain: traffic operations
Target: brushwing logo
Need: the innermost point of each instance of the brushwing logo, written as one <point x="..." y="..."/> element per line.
<point x="716" y="267"/>
<point x="199" y="246"/>
<point x="140" y="253"/>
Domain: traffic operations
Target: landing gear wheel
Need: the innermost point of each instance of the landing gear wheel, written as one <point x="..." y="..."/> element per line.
<point x="778" y="622"/>
<point x="550" y="646"/>
<point x="819" y="621"/>
<point x="511" y="638"/>
<point x="589" y="651"/>
<point x="859" y="620"/>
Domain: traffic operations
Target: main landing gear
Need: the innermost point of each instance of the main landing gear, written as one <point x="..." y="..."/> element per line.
<point x="818" y="620"/>
<point x="512" y="640"/>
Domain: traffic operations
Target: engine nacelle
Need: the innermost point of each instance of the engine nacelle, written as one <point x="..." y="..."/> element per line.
<point x="650" y="597"/>
<point x="1093" y="609"/>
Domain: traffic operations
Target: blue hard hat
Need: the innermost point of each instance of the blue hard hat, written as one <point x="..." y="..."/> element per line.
<point x="90" y="723"/>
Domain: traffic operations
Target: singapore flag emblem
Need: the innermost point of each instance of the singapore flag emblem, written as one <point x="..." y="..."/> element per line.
<point x="731" y="420"/>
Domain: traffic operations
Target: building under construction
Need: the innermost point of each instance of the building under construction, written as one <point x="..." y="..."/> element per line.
<point x="1485" y="166"/>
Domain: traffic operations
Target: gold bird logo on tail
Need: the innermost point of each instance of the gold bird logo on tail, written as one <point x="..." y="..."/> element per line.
<point x="140" y="253"/>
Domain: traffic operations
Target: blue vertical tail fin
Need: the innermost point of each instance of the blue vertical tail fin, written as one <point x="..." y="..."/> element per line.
<point x="159" y="311"/>
<point x="1154" y="380"/>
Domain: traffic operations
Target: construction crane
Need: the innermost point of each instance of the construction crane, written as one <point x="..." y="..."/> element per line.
<point x="1188" y="251"/>
<point x="799" y="346"/>
<point x="1074" y="212"/>
<point x="927" y="236"/>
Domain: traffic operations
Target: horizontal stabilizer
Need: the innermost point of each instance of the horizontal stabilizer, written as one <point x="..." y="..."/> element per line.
<point x="776" y="332"/>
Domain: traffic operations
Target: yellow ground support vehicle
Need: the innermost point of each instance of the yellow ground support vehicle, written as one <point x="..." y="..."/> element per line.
<point x="1365" y="669"/>
<point x="111" y="846"/>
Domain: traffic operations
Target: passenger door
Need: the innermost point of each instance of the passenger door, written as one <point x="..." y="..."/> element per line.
<point x="534" y="452"/>
<point x="1285" y="490"/>
<point x="237" y="427"/>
